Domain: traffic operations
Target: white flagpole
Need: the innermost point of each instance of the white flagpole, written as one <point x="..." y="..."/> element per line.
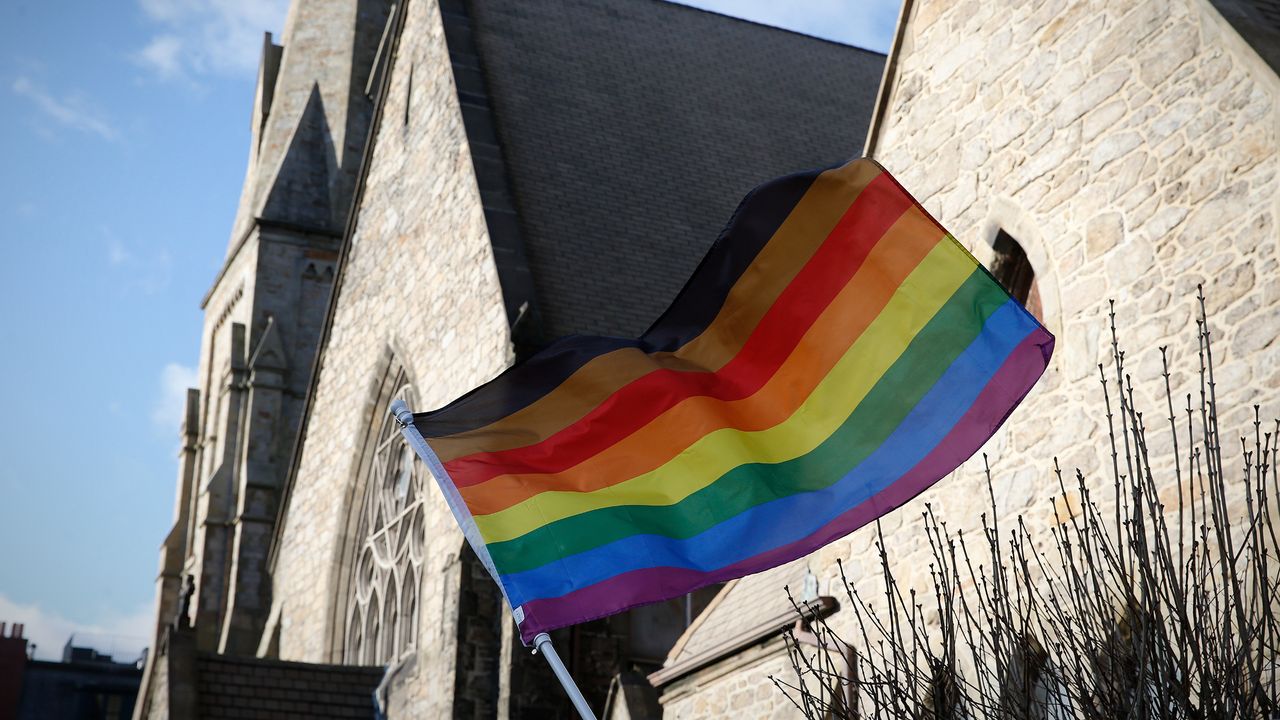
<point x="541" y="642"/>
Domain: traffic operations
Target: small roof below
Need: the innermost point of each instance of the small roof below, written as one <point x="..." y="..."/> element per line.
<point x="750" y="602"/>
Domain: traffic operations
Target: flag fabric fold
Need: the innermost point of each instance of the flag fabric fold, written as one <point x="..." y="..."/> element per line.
<point x="834" y="354"/>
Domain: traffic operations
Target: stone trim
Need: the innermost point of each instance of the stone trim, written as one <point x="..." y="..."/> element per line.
<point x="708" y="679"/>
<point x="887" y="79"/>
<point x="1245" y="20"/>
<point x="489" y="165"/>
<point x="391" y="363"/>
<point x="822" y="607"/>
<point x="1004" y="214"/>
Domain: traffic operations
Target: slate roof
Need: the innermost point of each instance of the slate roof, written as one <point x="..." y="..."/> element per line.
<point x="749" y="603"/>
<point x="628" y="132"/>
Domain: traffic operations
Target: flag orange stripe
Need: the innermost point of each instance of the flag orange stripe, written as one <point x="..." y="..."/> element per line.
<point x="897" y="253"/>
<point x="804" y="231"/>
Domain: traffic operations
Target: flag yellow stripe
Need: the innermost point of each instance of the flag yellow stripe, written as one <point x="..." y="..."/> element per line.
<point x="914" y="303"/>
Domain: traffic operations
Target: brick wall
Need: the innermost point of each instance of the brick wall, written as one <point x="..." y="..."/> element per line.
<point x="244" y="689"/>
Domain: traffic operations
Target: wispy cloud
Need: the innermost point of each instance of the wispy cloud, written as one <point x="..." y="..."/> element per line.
<point x="163" y="55"/>
<point x="202" y="37"/>
<point x="865" y="23"/>
<point x="175" y="378"/>
<point x="149" y="271"/>
<point x="72" y="111"/>
<point x="117" y="254"/>
<point x="123" y="636"/>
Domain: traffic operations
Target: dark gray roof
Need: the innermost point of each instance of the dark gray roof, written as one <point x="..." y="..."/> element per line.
<point x="626" y="132"/>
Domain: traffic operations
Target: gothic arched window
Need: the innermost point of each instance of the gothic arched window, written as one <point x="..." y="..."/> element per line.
<point x="382" y="606"/>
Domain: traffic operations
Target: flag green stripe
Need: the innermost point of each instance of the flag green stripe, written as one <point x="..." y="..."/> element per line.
<point x="928" y="356"/>
<point x="838" y="391"/>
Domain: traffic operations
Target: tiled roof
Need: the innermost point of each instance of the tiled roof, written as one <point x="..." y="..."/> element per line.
<point x="246" y="688"/>
<point x="630" y="129"/>
<point x="746" y="604"/>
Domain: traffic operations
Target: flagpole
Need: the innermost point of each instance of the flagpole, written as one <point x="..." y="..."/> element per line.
<point x="542" y="641"/>
<point x="542" y="644"/>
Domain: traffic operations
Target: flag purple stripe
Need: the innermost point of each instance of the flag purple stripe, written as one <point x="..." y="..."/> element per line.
<point x="1010" y="384"/>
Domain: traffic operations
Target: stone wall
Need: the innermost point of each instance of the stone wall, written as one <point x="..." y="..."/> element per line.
<point x="740" y="687"/>
<point x="155" y="702"/>
<point x="1131" y="148"/>
<point x="419" y="286"/>
<point x="228" y="311"/>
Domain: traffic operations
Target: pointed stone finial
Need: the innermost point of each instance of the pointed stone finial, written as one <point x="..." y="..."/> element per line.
<point x="269" y="355"/>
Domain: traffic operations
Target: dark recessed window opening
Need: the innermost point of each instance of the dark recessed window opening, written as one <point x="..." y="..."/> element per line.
<point x="1011" y="267"/>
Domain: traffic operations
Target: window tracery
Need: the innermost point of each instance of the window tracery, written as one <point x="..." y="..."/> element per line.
<point x="382" y="606"/>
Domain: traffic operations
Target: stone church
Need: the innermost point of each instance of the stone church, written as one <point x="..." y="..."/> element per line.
<point x="437" y="187"/>
<point x="434" y="189"/>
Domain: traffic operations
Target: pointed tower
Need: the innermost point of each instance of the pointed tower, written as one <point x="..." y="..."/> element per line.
<point x="263" y="317"/>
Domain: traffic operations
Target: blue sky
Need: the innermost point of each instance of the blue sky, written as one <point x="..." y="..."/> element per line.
<point x="124" y="130"/>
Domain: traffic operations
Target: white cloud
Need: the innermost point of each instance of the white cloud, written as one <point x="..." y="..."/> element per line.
<point x="201" y="37"/>
<point x="141" y="269"/>
<point x="163" y="55"/>
<point x="122" y="636"/>
<point x="865" y="23"/>
<point x="117" y="253"/>
<point x="168" y="10"/>
<point x="175" y="378"/>
<point x="72" y="111"/>
<point x="158" y="273"/>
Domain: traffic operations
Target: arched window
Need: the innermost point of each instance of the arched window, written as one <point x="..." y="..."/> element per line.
<point x="382" y="606"/>
<point x="1012" y="268"/>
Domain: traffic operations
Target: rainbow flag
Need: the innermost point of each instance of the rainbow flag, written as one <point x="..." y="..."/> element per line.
<point x="836" y="353"/>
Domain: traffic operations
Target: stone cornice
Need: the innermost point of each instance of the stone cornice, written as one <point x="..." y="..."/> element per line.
<point x="821" y="607"/>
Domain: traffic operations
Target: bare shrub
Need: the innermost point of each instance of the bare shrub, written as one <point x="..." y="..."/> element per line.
<point x="1133" y="611"/>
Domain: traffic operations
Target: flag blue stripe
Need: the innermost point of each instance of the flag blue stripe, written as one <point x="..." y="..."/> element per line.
<point x="788" y="519"/>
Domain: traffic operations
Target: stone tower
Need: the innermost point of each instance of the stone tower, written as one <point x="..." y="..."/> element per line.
<point x="263" y="315"/>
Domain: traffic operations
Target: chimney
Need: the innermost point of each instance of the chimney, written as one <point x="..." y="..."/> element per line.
<point x="13" y="663"/>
